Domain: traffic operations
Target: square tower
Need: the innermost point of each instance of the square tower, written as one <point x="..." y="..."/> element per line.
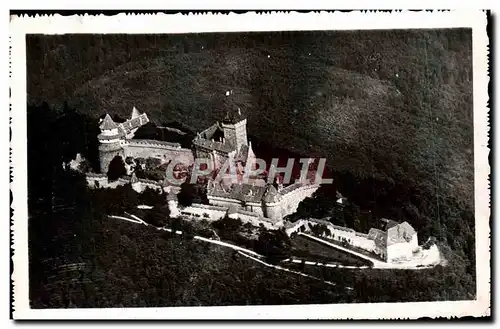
<point x="235" y="133"/>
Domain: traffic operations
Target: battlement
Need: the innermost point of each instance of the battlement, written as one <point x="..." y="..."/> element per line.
<point x="96" y="175"/>
<point x="296" y="186"/>
<point x="151" y="142"/>
<point x="213" y="145"/>
<point x="208" y="207"/>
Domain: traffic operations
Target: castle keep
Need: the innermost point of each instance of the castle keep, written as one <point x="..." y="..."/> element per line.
<point x="225" y="140"/>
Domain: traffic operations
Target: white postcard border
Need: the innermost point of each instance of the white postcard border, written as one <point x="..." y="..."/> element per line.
<point x="161" y="23"/>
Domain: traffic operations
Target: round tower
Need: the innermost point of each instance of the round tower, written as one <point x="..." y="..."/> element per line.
<point x="109" y="143"/>
<point x="271" y="203"/>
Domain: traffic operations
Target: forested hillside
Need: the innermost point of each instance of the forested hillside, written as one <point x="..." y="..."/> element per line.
<point x="395" y="105"/>
<point x="391" y="111"/>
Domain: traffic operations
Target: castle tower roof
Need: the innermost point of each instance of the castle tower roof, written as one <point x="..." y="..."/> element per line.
<point x="271" y="195"/>
<point x="135" y="113"/>
<point x="134" y="179"/>
<point x="108" y="123"/>
<point x="251" y="154"/>
<point x="400" y="233"/>
<point x="166" y="182"/>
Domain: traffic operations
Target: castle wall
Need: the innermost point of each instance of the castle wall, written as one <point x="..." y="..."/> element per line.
<point x="295" y="227"/>
<point x="213" y="213"/>
<point x="241" y="133"/>
<point x="96" y="181"/>
<point x="402" y="251"/>
<point x="249" y="206"/>
<point x="101" y="181"/>
<point x="229" y="134"/>
<point x="336" y="233"/>
<point x="290" y="200"/>
<point x="223" y="202"/>
<point x="255" y="208"/>
<point x="147" y="149"/>
<point x="141" y="186"/>
<point x="201" y="211"/>
<point x="255" y="220"/>
<point x="414" y="242"/>
<point x="399" y="252"/>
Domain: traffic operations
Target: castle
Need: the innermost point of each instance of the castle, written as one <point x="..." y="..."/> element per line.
<point x="255" y="201"/>
<point x="219" y="143"/>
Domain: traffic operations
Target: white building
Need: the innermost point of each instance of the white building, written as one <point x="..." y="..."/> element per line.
<point x="401" y="242"/>
<point x="397" y="242"/>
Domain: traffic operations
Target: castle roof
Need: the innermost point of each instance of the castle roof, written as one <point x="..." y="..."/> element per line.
<point x="241" y="192"/>
<point x="126" y="127"/>
<point x="400" y="233"/>
<point x="108" y="123"/>
<point x="379" y="236"/>
<point x="271" y="195"/>
<point x="211" y="139"/>
<point x="210" y="131"/>
<point x="212" y="145"/>
<point x="389" y="223"/>
<point x="135" y="113"/>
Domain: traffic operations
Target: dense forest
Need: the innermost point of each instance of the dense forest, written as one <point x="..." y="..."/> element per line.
<point x="391" y="111"/>
<point x="395" y="105"/>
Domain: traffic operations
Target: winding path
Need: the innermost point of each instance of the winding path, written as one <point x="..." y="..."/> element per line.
<point x="376" y="263"/>
<point x="242" y="251"/>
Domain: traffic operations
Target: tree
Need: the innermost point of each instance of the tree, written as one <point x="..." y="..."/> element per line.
<point x="176" y="225"/>
<point x="187" y="194"/>
<point x="188" y="231"/>
<point x="227" y="224"/>
<point x="275" y="245"/>
<point x="156" y="218"/>
<point x="116" y="169"/>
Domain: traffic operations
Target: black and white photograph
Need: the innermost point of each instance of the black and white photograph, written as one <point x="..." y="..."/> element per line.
<point x="254" y="167"/>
